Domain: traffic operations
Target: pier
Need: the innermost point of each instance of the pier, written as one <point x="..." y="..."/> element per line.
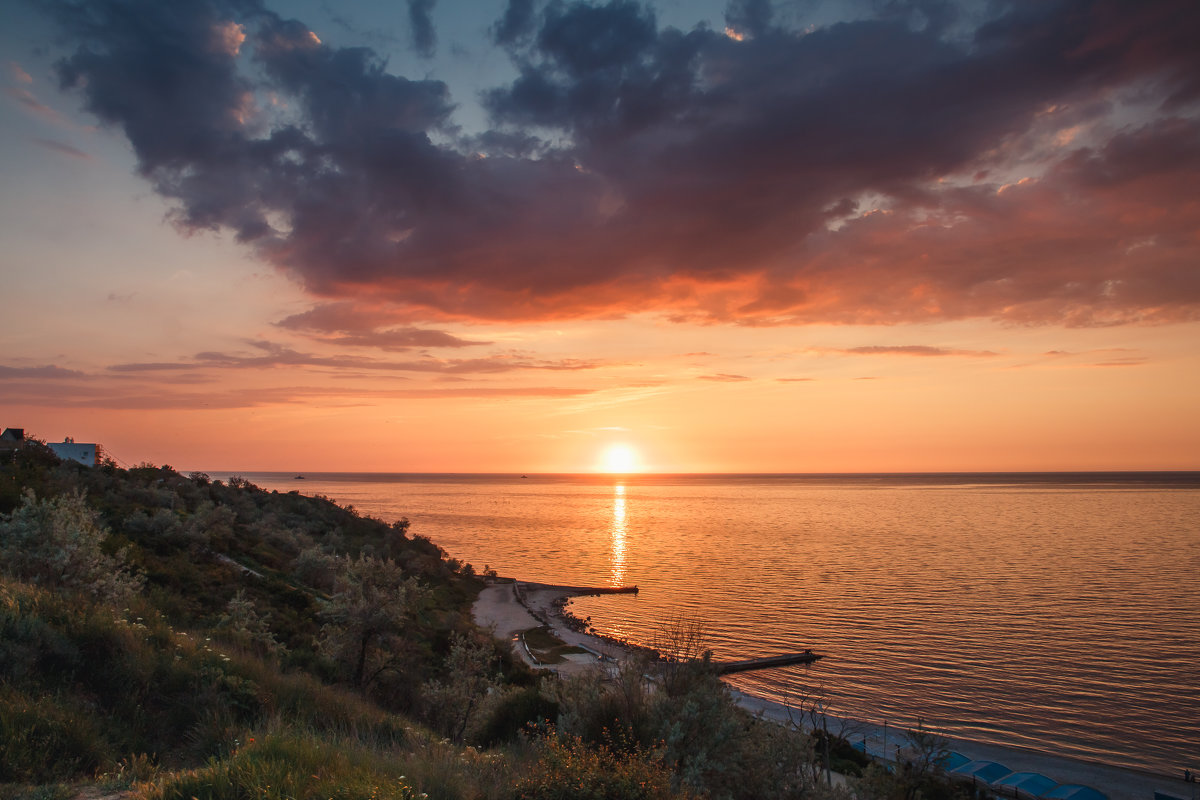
<point x="766" y="662"/>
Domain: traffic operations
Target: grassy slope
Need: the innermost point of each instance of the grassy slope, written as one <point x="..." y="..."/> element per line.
<point x="163" y="687"/>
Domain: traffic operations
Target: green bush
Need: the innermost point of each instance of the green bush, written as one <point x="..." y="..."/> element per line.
<point x="290" y="766"/>
<point x="570" y="770"/>
<point x="59" y="542"/>
<point x="514" y="712"/>
<point x="43" y="740"/>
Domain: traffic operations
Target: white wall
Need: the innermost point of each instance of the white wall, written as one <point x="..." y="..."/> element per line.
<point x="75" y="451"/>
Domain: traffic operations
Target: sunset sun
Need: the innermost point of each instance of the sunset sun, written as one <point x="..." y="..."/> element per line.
<point x="619" y="458"/>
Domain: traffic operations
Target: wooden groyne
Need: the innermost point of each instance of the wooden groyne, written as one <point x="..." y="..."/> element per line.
<point x="767" y="662"/>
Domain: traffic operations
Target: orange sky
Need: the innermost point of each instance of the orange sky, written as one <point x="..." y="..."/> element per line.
<point x="884" y="269"/>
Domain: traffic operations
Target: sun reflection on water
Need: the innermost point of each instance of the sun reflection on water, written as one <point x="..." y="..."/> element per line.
<point x="619" y="532"/>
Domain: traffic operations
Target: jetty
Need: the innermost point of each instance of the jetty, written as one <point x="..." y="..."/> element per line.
<point x="766" y="662"/>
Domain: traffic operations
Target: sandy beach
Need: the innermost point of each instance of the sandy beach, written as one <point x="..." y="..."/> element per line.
<point x="499" y="609"/>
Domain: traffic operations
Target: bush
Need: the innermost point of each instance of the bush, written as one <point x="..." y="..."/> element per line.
<point x="42" y="740"/>
<point x="511" y="713"/>
<point x="570" y="770"/>
<point x="59" y="543"/>
<point x="289" y="766"/>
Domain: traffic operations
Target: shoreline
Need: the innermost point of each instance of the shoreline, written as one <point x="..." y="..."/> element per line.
<point x="1119" y="783"/>
<point x="499" y="609"/>
<point x="507" y="614"/>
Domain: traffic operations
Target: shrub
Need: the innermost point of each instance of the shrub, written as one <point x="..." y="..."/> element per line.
<point x="371" y="612"/>
<point x="511" y="713"/>
<point x="242" y="625"/>
<point x="42" y="740"/>
<point x="59" y="543"/>
<point x="569" y="770"/>
<point x="289" y="766"/>
<point x="467" y="675"/>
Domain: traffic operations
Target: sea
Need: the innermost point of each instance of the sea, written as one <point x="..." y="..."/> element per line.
<point x="1058" y="612"/>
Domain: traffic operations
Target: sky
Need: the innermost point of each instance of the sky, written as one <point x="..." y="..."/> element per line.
<point x="511" y="235"/>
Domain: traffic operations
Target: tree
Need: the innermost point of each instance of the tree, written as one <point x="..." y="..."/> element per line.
<point x="243" y="625"/>
<point x="59" y="543"/>
<point x="684" y="654"/>
<point x="924" y="759"/>
<point x="372" y="607"/>
<point x="469" y="672"/>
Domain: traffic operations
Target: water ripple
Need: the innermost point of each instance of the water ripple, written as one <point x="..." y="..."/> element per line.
<point x="1043" y="612"/>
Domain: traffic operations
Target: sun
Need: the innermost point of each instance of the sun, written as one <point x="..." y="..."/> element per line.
<point x="619" y="458"/>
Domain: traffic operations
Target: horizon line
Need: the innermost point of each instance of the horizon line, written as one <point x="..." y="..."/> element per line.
<point x="649" y="473"/>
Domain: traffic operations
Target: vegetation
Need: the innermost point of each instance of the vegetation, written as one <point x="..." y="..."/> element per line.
<point x="174" y="637"/>
<point x="547" y="648"/>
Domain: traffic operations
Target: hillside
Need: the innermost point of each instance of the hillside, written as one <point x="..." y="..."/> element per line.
<point x="171" y="636"/>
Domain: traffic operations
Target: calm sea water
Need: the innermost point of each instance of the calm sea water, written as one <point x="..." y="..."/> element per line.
<point x="1058" y="612"/>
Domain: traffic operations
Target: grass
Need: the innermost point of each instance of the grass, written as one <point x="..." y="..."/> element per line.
<point x="291" y="766"/>
<point x="546" y="647"/>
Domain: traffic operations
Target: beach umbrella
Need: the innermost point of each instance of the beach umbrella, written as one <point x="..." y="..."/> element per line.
<point x="986" y="771"/>
<point x="1033" y="783"/>
<point x="1074" y="791"/>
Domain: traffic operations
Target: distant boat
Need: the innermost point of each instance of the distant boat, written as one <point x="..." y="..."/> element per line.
<point x="298" y="478"/>
<point x="524" y="476"/>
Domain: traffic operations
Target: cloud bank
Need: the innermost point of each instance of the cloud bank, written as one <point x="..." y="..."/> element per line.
<point x="1034" y="162"/>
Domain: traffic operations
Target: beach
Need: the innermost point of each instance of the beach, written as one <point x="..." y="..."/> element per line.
<point x="499" y="609"/>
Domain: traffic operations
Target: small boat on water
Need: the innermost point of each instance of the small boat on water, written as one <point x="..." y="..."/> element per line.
<point x="298" y="478"/>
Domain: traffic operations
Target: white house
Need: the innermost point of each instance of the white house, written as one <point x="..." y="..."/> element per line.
<point x="69" y="449"/>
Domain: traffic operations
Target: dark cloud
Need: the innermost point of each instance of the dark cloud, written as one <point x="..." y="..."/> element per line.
<point x="420" y="22"/>
<point x="35" y="393"/>
<point x="516" y="23"/>
<point x="724" y="377"/>
<point x="271" y="355"/>
<point x="399" y="339"/>
<point x="34" y="106"/>
<point x="164" y="72"/>
<point x="857" y="172"/>
<point x="63" y="149"/>
<point x="45" y="372"/>
<point x="1112" y="357"/>
<point x="913" y="350"/>
<point x="749" y="17"/>
<point x="1126" y="362"/>
<point x="350" y="324"/>
<point x="341" y="317"/>
<point x="17" y="73"/>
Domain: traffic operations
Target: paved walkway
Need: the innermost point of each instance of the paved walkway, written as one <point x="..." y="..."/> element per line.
<point x="498" y="608"/>
<point x="1116" y="782"/>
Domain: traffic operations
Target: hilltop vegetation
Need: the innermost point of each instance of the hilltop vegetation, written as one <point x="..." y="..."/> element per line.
<point x="172" y="636"/>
